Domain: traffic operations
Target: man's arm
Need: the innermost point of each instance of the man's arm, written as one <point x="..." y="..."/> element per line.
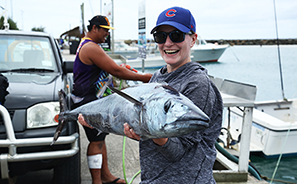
<point x="92" y="53"/>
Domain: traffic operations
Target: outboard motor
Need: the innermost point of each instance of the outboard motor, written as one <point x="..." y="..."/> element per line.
<point x="3" y="86"/>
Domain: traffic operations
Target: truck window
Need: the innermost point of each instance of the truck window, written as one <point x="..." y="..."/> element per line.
<point x="26" y="52"/>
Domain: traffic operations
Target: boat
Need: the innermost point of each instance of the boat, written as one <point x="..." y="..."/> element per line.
<point x="207" y="52"/>
<point x="130" y="52"/>
<point x="274" y="128"/>
<point x="201" y="51"/>
<point x="152" y="61"/>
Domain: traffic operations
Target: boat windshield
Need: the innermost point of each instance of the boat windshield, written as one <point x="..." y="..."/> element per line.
<point x="18" y="53"/>
<point x="201" y="41"/>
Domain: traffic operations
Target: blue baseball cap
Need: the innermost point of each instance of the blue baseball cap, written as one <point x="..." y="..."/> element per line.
<point x="180" y="18"/>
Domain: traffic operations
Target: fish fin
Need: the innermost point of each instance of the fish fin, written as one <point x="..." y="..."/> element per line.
<point x="126" y="96"/>
<point x="58" y="131"/>
<point x="170" y="89"/>
<point x="63" y="108"/>
<point x="99" y="132"/>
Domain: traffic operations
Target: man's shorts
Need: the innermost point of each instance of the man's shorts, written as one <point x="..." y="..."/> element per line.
<point x="92" y="134"/>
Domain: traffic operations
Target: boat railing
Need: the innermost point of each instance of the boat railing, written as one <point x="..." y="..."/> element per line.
<point x="237" y="94"/>
<point x="119" y="57"/>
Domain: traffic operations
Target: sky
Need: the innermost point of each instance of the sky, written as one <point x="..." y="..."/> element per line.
<point x="215" y="19"/>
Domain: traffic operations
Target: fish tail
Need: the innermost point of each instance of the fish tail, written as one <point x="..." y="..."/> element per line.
<point x="62" y="101"/>
<point x="63" y="108"/>
<point x="58" y="131"/>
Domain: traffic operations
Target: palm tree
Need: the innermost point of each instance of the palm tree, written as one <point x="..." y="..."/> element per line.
<point x="39" y="29"/>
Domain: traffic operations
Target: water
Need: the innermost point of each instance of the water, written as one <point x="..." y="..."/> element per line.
<point x="259" y="66"/>
<point x="286" y="171"/>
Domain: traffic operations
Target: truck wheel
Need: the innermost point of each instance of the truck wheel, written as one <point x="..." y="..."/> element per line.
<point x="69" y="171"/>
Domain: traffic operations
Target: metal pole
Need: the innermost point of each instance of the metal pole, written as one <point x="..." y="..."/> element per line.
<point x="112" y="39"/>
<point x="244" y="151"/>
<point x="142" y="65"/>
<point x="228" y="128"/>
<point x="100" y="7"/>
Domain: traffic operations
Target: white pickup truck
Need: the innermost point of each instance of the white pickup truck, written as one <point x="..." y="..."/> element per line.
<point x="33" y="65"/>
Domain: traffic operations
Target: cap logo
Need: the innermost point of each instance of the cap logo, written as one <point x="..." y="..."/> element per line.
<point x="107" y="21"/>
<point x="170" y="13"/>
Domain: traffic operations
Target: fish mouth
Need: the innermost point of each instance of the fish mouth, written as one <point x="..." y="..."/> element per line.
<point x="194" y="116"/>
<point x="194" y="119"/>
<point x="187" y="123"/>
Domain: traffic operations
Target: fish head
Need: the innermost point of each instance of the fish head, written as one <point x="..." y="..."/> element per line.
<point x="170" y="114"/>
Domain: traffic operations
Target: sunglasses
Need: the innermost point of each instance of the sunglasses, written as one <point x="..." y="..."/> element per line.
<point x="175" y="36"/>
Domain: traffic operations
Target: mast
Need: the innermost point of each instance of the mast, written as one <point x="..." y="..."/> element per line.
<point x="279" y="58"/>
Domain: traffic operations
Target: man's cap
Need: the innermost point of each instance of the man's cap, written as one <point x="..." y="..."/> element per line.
<point x="178" y="17"/>
<point x="101" y="21"/>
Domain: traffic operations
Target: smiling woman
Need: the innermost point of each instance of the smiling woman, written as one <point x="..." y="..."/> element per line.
<point x="175" y="35"/>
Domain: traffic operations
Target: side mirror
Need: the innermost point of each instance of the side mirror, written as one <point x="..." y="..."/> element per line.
<point x="68" y="66"/>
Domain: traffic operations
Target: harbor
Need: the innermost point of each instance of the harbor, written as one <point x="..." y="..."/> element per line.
<point x="256" y="78"/>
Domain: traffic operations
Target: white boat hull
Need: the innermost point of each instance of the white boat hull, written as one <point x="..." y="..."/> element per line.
<point x="208" y="52"/>
<point x="274" y="129"/>
<point x="201" y="52"/>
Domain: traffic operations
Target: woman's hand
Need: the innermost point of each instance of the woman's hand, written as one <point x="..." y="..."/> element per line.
<point x="82" y="121"/>
<point x="160" y="141"/>
<point x="130" y="133"/>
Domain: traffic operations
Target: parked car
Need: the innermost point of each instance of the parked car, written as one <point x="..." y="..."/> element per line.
<point x="33" y="65"/>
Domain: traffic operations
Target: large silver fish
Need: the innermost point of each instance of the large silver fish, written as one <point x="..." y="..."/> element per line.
<point x="153" y="110"/>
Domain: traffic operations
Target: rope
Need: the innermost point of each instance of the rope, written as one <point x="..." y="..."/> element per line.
<point x="124" y="170"/>
<point x="123" y="158"/>
<point x="280" y="156"/>
<point x="124" y="139"/>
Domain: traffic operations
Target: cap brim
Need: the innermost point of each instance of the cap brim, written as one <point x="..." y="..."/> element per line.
<point x="107" y="27"/>
<point x="178" y="26"/>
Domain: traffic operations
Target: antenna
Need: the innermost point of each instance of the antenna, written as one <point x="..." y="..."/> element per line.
<point x="279" y="58"/>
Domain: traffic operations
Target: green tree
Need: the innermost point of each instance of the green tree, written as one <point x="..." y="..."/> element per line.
<point x="39" y="29"/>
<point x="12" y="24"/>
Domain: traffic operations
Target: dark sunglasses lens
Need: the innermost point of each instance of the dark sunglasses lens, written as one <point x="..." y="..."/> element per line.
<point x="177" y="36"/>
<point x="160" y="37"/>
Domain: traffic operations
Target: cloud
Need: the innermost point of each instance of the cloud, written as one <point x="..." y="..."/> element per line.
<point x="215" y="19"/>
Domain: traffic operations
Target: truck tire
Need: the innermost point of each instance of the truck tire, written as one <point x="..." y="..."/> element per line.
<point x="69" y="171"/>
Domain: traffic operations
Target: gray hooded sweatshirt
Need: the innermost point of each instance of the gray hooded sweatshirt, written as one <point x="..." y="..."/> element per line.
<point x="189" y="158"/>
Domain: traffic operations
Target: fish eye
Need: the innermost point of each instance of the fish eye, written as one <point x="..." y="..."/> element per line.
<point x="167" y="106"/>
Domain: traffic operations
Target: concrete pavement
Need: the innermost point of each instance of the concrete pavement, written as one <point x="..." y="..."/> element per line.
<point x="114" y="144"/>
